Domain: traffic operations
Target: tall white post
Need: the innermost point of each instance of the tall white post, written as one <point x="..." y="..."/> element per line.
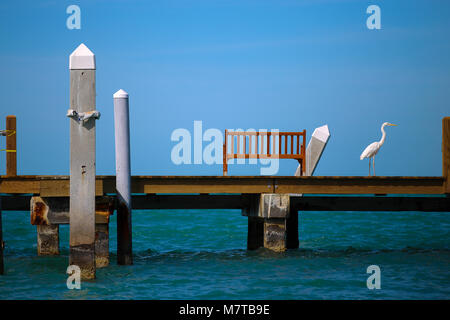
<point x="82" y="161"/>
<point x="123" y="178"/>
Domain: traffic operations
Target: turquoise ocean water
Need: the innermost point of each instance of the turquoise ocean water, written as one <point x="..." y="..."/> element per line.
<point x="200" y="254"/>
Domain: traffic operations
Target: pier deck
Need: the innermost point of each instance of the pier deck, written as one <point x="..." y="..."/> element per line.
<point x="58" y="186"/>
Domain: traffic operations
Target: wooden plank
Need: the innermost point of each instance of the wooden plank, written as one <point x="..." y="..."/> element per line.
<point x="202" y="185"/>
<point x="446" y="153"/>
<point x="14" y="186"/>
<point x="236" y="201"/>
<point x="2" y="267"/>
<point x="11" y="146"/>
<point x="243" y="184"/>
<point x="55" y="210"/>
<point x="54" y="188"/>
<point x="359" y="185"/>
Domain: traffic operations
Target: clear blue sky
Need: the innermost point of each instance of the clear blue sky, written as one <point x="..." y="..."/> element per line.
<point x="289" y="65"/>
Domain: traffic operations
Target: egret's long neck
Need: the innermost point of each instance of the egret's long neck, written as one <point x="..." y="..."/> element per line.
<point x="383" y="137"/>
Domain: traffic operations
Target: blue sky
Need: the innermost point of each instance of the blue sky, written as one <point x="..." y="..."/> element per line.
<point x="288" y="65"/>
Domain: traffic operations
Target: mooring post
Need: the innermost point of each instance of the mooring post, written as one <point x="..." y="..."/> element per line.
<point x="446" y="153"/>
<point x="11" y="146"/>
<point x="82" y="161"/>
<point x="2" y="271"/>
<point x="123" y="178"/>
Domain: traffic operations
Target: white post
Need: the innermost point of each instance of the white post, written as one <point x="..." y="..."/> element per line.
<point x="315" y="149"/>
<point x="123" y="178"/>
<point x="82" y="161"/>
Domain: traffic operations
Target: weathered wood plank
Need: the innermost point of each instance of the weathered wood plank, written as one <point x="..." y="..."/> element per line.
<point x="245" y="184"/>
<point x="307" y="203"/>
<point x="2" y="271"/>
<point x="55" y="210"/>
<point x="359" y="185"/>
<point x="204" y="185"/>
<point x="446" y="153"/>
<point x="11" y="146"/>
<point x="18" y="186"/>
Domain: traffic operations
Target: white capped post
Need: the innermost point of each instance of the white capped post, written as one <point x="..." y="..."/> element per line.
<point x="315" y="149"/>
<point x="82" y="161"/>
<point x="123" y="178"/>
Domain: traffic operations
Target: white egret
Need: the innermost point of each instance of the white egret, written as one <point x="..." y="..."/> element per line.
<point x="372" y="149"/>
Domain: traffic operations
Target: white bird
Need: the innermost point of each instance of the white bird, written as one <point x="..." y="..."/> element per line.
<point x="372" y="149"/>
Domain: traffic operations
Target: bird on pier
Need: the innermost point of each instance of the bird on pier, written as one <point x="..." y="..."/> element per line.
<point x="372" y="149"/>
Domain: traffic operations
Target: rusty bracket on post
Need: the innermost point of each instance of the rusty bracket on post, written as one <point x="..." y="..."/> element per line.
<point x="83" y="116"/>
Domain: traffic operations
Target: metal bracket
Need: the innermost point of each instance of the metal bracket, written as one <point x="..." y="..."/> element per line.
<point x="7" y="133"/>
<point x="83" y="116"/>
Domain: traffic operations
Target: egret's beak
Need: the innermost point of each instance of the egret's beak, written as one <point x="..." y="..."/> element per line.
<point x="391" y="124"/>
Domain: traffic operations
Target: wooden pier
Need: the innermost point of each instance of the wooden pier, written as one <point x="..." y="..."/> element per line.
<point x="271" y="203"/>
<point x="86" y="201"/>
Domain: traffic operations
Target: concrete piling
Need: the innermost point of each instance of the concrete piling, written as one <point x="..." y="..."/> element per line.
<point x="268" y="220"/>
<point x="123" y="178"/>
<point x="101" y="245"/>
<point x="82" y="161"/>
<point x="47" y="213"/>
<point x="48" y="240"/>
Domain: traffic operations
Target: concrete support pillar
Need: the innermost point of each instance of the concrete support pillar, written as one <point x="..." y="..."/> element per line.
<point x="82" y="161"/>
<point x="275" y="234"/>
<point x="270" y="224"/>
<point x="101" y="245"/>
<point x="49" y="212"/>
<point x="255" y="235"/>
<point x="47" y="240"/>
<point x="292" y="241"/>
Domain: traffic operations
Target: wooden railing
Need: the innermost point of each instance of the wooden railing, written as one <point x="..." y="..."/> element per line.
<point x="264" y="145"/>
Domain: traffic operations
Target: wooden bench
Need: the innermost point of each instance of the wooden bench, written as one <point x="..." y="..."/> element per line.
<point x="264" y="145"/>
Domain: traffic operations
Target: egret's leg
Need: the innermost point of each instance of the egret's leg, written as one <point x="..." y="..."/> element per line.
<point x="374" y="166"/>
<point x="369" y="167"/>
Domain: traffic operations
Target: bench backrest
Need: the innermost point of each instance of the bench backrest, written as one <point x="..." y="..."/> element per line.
<point x="264" y="145"/>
